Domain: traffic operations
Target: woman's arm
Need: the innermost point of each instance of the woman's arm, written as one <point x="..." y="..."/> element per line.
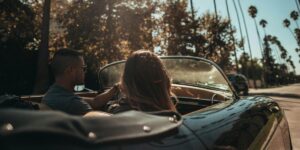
<point x="101" y="99"/>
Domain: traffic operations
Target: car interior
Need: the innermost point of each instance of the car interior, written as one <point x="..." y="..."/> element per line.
<point x="187" y="98"/>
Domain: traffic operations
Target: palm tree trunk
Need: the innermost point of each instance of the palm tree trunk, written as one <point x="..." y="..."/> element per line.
<point x="239" y="22"/>
<point x="215" y="6"/>
<point x="194" y="28"/>
<point x="232" y="37"/>
<point x="292" y="34"/>
<point x="297" y="4"/>
<point x="259" y="39"/>
<point x="192" y="9"/>
<point x="42" y="77"/>
<point x="265" y="32"/>
<point x="262" y="54"/>
<point x="252" y="63"/>
<point x="216" y="34"/>
<point x="278" y="56"/>
<point x="109" y="33"/>
<point x="297" y="24"/>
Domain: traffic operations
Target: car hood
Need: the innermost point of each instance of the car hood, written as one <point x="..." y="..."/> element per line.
<point x="216" y="124"/>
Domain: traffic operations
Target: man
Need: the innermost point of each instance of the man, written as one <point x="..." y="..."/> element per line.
<point x="69" y="68"/>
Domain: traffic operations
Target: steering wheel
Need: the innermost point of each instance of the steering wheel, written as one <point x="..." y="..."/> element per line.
<point x="113" y="100"/>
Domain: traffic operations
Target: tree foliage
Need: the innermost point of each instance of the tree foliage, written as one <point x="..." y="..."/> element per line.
<point x="206" y="36"/>
<point x="18" y="32"/>
<point x="109" y="30"/>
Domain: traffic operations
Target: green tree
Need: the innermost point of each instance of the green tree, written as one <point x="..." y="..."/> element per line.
<point x="217" y="49"/>
<point x="274" y="40"/>
<point x="178" y="26"/>
<point x="284" y="52"/>
<point x="296" y="33"/>
<point x="107" y="30"/>
<point x="205" y="36"/>
<point x="17" y="56"/>
<point x="269" y="63"/>
<point x="246" y="65"/>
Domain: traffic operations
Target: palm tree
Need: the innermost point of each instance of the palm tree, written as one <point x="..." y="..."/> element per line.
<point x="253" y="12"/>
<point x="263" y="23"/>
<point x="42" y="79"/>
<point x="287" y="23"/>
<point x="248" y="40"/>
<point x="294" y="15"/>
<point x="232" y="37"/>
<point x="291" y="63"/>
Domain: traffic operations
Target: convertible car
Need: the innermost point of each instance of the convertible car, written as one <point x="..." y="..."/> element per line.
<point x="210" y="116"/>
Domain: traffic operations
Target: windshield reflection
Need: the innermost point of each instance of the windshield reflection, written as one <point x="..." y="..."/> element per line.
<point x="195" y="73"/>
<point x="184" y="71"/>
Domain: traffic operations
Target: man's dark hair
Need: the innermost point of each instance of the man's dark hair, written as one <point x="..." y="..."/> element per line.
<point x="64" y="58"/>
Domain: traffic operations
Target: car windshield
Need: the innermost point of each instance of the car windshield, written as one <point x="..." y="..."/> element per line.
<point x="183" y="71"/>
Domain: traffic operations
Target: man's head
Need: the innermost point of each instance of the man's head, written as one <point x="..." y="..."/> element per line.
<point x="68" y="64"/>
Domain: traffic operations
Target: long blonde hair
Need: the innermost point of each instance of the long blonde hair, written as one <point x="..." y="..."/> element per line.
<point x="146" y="83"/>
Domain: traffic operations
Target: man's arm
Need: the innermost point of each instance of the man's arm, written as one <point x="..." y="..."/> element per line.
<point x="78" y="106"/>
<point x="101" y="99"/>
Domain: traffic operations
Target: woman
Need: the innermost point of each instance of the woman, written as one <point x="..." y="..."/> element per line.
<point x="145" y="84"/>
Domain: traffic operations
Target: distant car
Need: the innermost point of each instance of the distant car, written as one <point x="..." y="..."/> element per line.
<point x="212" y="116"/>
<point x="239" y="82"/>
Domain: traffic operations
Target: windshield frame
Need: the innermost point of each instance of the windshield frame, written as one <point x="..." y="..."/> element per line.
<point x="234" y="94"/>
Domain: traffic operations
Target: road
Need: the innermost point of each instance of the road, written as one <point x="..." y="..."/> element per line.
<point x="288" y="98"/>
<point x="290" y="91"/>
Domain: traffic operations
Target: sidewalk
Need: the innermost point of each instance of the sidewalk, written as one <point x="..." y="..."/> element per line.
<point x="291" y="91"/>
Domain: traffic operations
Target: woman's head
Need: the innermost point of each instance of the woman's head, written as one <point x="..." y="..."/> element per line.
<point x="146" y="83"/>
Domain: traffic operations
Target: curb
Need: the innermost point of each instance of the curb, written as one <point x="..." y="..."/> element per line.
<point x="278" y="95"/>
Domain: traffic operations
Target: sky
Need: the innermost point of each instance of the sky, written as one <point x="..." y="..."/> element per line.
<point x="273" y="11"/>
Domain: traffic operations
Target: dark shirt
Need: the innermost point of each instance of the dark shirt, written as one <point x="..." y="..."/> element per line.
<point x="59" y="98"/>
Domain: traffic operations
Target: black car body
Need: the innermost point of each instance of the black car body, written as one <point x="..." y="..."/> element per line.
<point x="212" y="116"/>
<point x="239" y="82"/>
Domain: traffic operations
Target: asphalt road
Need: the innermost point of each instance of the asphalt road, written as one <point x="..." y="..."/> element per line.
<point x="290" y="91"/>
<point x="288" y="98"/>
